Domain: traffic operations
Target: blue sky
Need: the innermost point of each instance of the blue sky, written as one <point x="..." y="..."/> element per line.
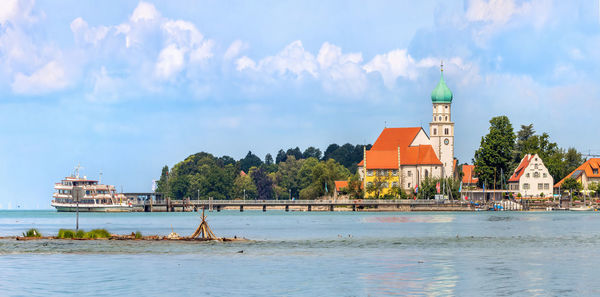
<point x="127" y="87"/>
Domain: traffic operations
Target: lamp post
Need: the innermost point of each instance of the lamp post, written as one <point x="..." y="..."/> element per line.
<point x="244" y="194"/>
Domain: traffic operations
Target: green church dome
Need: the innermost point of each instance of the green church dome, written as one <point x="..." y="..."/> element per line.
<point x="441" y="93"/>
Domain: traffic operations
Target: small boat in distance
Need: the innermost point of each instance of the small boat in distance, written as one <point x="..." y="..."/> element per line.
<point x="582" y="208"/>
<point x="97" y="197"/>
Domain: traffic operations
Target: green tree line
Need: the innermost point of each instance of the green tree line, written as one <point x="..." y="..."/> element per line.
<point x="502" y="150"/>
<point x="292" y="174"/>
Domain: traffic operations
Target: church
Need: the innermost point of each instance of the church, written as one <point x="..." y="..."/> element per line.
<point x="404" y="157"/>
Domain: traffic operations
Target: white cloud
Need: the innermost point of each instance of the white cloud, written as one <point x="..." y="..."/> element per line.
<point x="235" y="49"/>
<point x="51" y="77"/>
<point x="144" y="12"/>
<point x="396" y="63"/>
<point x="80" y="29"/>
<point x="170" y="62"/>
<point x="497" y="11"/>
<point x="245" y="63"/>
<point x="341" y="73"/>
<point x="106" y="88"/>
<point x="292" y="60"/>
<point x="16" y="11"/>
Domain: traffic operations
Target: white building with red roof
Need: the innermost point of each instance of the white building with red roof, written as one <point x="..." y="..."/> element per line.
<point x="587" y="173"/>
<point x="403" y="157"/>
<point x="531" y="178"/>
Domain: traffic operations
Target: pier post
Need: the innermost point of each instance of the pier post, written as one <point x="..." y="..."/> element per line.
<point x="353" y="207"/>
<point x="264" y="208"/>
<point x="331" y="207"/>
<point x="287" y="208"/>
<point x="218" y="208"/>
<point x="309" y="207"/>
<point x="241" y="208"/>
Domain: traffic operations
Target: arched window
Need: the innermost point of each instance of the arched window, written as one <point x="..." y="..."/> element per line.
<point x="446" y="118"/>
<point x="434" y="131"/>
<point x="440" y="118"/>
<point x="426" y="173"/>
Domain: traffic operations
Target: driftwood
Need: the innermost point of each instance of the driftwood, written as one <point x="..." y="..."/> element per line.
<point x="203" y="231"/>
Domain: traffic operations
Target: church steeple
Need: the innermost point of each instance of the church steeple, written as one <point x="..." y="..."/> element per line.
<point x="441" y="93"/>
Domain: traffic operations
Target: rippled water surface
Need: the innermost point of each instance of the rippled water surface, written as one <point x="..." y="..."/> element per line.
<point x="309" y="254"/>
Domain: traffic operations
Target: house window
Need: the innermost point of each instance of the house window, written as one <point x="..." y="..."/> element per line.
<point x="369" y="172"/>
<point x="369" y="184"/>
<point x="540" y="186"/>
<point x="434" y="131"/>
<point x="409" y="185"/>
<point x="409" y="173"/>
<point x="395" y="172"/>
<point x="446" y="118"/>
<point x="426" y="173"/>
<point x="440" y="118"/>
<point x="536" y="166"/>
<point x="546" y="186"/>
<point x="385" y="185"/>
<point x="394" y="184"/>
<point x="380" y="172"/>
<point x="525" y="186"/>
<point x="536" y="174"/>
<point x="446" y="131"/>
<point x="545" y="175"/>
<point x="446" y="106"/>
<point x="527" y="175"/>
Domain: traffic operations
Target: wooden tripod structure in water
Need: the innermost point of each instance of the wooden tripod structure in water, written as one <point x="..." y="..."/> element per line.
<point x="203" y="231"/>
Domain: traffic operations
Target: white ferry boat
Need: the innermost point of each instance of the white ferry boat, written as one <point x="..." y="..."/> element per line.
<point x="97" y="197"/>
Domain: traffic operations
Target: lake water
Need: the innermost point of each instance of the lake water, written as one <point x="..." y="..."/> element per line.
<point x="309" y="254"/>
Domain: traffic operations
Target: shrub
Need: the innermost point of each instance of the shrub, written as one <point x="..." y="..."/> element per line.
<point x="65" y="233"/>
<point x="32" y="233"/>
<point x="138" y="235"/>
<point x="97" y="233"/>
<point x="80" y="234"/>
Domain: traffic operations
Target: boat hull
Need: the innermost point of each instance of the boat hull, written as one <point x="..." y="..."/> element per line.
<point x="62" y="207"/>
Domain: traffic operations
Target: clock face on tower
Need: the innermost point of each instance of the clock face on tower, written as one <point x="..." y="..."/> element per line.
<point x="446" y="141"/>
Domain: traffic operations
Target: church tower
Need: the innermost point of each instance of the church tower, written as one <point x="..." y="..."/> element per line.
<point x="441" y="129"/>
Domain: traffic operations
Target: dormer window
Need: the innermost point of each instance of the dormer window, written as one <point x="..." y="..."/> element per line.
<point x="595" y="170"/>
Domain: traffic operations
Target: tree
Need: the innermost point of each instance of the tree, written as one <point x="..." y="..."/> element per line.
<point x="376" y="187"/>
<point x="251" y="160"/>
<point x="494" y="155"/>
<point x="571" y="185"/>
<point x="264" y="184"/>
<point x="322" y="178"/>
<point x="243" y="184"/>
<point x="288" y="175"/>
<point x="330" y="149"/>
<point x="268" y="159"/>
<point x="594" y="188"/>
<point x="312" y="152"/>
<point x="294" y="152"/>
<point x="281" y="157"/>
<point x="162" y="186"/>
<point x="355" y="187"/>
<point x="179" y="186"/>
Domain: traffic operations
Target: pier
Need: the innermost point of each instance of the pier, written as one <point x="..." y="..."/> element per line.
<point x="171" y="205"/>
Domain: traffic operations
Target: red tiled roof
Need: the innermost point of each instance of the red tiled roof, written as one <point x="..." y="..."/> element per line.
<point x="468" y="173"/>
<point x="413" y="155"/>
<point x="391" y="138"/>
<point x="587" y="167"/>
<point x="339" y="184"/>
<point x="242" y="173"/>
<point x="521" y="169"/>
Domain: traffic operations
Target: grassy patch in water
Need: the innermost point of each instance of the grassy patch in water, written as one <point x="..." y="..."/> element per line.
<point x="97" y="233"/>
<point x="94" y="234"/>
<point x="65" y="233"/>
<point x="138" y="235"/>
<point x="32" y="233"/>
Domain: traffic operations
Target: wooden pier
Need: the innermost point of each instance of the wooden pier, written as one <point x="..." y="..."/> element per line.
<point x="170" y="205"/>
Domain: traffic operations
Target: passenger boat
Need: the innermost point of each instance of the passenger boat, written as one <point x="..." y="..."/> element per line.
<point x="97" y="197"/>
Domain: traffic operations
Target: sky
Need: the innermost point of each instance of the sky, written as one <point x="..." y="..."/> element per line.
<point x="126" y="87"/>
